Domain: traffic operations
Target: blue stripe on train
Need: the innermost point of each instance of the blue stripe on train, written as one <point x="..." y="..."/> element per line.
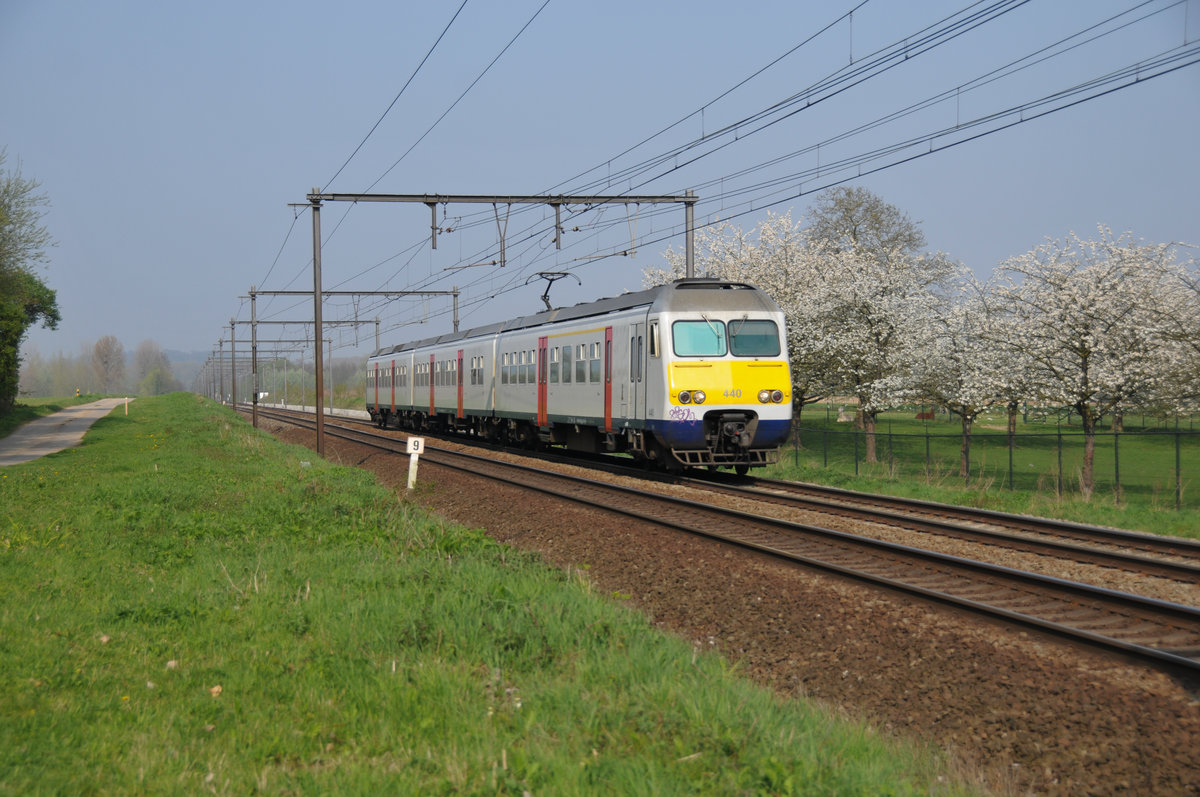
<point x="688" y="433"/>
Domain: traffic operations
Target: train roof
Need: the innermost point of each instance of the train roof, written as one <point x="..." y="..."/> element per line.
<point x="680" y="295"/>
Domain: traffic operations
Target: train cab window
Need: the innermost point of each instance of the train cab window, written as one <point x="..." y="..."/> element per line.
<point x="703" y="338"/>
<point x="654" y="349"/>
<point x="758" y="338"/>
<point x="566" y="364"/>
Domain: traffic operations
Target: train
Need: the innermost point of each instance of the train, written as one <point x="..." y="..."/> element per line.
<point x="693" y="373"/>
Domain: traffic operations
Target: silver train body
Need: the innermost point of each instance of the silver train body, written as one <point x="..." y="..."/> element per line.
<point x="694" y="373"/>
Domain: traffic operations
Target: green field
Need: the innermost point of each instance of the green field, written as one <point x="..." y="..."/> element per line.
<point x="1155" y="464"/>
<point x="188" y="606"/>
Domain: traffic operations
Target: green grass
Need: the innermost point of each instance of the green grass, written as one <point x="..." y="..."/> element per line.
<point x="188" y="606"/>
<point x="921" y="459"/>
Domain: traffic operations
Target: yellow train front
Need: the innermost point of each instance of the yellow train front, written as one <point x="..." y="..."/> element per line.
<point x="693" y="373"/>
<point x="721" y="388"/>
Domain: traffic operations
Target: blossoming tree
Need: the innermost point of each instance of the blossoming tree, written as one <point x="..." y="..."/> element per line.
<point x="964" y="370"/>
<point x="1089" y="319"/>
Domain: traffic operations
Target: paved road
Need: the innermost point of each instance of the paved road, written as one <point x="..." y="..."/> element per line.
<point x="63" y="429"/>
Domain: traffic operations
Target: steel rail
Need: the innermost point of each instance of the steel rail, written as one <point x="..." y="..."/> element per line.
<point x="787" y="494"/>
<point x="1152" y="543"/>
<point x="1163" y="632"/>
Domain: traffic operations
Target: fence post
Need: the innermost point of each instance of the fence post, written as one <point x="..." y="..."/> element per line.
<point x="928" y="464"/>
<point x="1117" y="462"/>
<point x="1060" y="473"/>
<point x="891" y="451"/>
<point x="1010" y="463"/>
<point x="1178" y="472"/>
<point x="855" y="434"/>
<point x="825" y="445"/>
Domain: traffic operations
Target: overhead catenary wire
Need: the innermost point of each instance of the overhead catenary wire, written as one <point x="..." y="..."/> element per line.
<point x="370" y="132"/>
<point x="785" y="189"/>
<point x="396" y="99"/>
<point x="444" y="114"/>
<point x="767" y="193"/>
<point x="871" y="65"/>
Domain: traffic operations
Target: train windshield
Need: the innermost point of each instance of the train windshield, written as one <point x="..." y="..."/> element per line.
<point x="741" y="337"/>
<point x="754" y="338"/>
<point x="704" y="338"/>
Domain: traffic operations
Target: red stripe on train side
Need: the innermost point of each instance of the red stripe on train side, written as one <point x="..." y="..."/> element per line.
<point x="608" y="339"/>
<point x="459" y="377"/>
<point x="432" y="371"/>
<point x="543" y="393"/>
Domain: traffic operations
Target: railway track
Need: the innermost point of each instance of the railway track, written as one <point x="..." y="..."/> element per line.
<point x="1151" y="630"/>
<point x="1143" y="554"/>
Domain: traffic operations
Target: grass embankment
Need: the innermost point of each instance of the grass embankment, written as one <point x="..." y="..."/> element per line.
<point x="188" y="606"/>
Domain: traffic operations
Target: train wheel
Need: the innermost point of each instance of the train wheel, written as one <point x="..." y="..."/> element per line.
<point x="741" y="470"/>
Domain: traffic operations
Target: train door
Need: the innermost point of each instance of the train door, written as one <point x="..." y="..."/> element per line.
<point x="543" y="366"/>
<point x="392" y="379"/>
<point x="376" y="387"/>
<point x="637" y="369"/>
<point x="459" y="379"/>
<point x="608" y="350"/>
<point x="432" y="382"/>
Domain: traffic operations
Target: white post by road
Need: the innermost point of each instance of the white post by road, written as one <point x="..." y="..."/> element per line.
<point x="415" y="446"/>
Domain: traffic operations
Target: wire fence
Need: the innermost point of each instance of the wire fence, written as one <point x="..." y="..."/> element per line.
<point x="1151" y="464"/>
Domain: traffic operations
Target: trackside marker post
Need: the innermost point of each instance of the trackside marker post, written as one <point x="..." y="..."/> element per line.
<point x="415" y="446"/>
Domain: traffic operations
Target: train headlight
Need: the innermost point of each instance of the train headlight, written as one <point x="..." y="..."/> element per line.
<point x="698" y="396"/>
<point x="776" y="396"/>
<point x="764" y="396"/>
<point x="685" y="397"/>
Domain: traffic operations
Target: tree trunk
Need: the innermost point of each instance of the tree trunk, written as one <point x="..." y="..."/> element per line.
<point x="1087" y="477"/>
<point x="869" y="430"/>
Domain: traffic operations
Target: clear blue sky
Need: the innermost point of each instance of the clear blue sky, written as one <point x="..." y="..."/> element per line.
<point x="171" y="138"/>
